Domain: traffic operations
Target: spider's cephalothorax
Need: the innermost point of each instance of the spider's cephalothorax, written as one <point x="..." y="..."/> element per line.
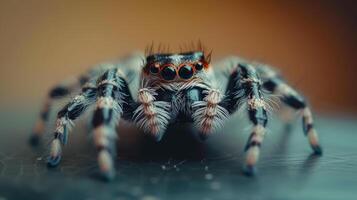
<point x="177" y="71"/>
<point x="172" y="88"/>
<point x="175" y="83"/>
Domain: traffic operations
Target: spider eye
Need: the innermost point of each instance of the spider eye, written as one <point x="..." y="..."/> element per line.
<point x="186" y="72"/>
<point x="154" y="69"/>
<point x="198" y="66"/>
<point x="168" y="73"/>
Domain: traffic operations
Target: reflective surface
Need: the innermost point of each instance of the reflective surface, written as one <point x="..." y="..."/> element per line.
<point x="180" y="168"/>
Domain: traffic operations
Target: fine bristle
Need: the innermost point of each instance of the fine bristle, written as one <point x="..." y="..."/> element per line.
<point x="186" y="48"/>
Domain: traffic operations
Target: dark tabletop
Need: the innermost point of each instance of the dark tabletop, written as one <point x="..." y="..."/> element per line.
<point x="181" y="168"/>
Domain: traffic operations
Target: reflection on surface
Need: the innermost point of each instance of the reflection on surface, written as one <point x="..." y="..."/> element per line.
<point x="180" y="167"/>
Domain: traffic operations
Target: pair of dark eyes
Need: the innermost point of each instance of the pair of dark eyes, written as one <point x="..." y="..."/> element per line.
<point x="169" y="72"/>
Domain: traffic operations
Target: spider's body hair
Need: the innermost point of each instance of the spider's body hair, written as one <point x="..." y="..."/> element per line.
<point x="209" y="116"/>
<point x="151" y="116"/>
<point x="175" y="58"/>
<point x="151" y="50"/>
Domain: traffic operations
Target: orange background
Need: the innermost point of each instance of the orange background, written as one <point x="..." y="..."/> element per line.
<point x="313" y="43"/>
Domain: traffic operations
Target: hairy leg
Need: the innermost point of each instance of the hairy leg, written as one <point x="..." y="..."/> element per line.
<point x="274" y="84"/>
<point x="244" y="85"/>
<point x="58" y="92"/>
<point x="207" y="113"/>
<point x="153" y="112"/>
<point x="113" y="98"/>
<point x="64" y="122"/>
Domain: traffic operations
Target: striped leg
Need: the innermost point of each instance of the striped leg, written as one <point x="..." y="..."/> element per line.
<point x="56" y="93"/>
<point x="294" y="100"/>
<point x="208" y="115"/>
<point x="112" y="92"/>
<point x="245" y="85"/>
<point x="251" y="85"/>
<point x="64" y="121"/>
<point x="152" y="116"/>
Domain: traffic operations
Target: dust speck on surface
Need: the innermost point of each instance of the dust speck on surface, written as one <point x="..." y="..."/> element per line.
<point x="154" y="180"/>
<point x="208" y="176"/>
<point x="215" y="185"/>
<point x="136" y="191"/>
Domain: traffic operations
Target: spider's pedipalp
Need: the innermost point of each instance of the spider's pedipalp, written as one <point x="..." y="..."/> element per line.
<point x="208" y="115"/>
<point x="152" y="115"/>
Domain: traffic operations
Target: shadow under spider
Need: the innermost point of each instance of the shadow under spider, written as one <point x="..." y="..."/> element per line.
<point x="179" y="142"/>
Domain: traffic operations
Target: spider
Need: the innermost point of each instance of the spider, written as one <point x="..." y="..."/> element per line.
<point x="172" y="87"/>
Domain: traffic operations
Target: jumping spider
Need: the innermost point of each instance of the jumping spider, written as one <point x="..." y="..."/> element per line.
<point x="173" y="87"/>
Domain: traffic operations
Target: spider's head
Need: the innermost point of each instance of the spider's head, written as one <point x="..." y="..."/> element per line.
<point x="176" y="67"/>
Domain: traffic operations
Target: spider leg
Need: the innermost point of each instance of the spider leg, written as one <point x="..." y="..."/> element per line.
<point x="245" y="85"/>
<point x="65" y="116"/>
<point x="113" y="98"/>
<point x="293" y="99"/>
<point x="56" y="93"/>
<point x="152" y="114"/>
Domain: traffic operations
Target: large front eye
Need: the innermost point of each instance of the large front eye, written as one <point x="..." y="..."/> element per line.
<point x="168" y="73"/>
<point x="186" y="72"/>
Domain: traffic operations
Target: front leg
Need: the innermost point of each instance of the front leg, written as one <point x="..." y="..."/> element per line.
<point x="113" y="99"/>
<point x="245" y="85"/>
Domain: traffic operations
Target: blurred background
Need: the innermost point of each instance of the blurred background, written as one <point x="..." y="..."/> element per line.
<point x="314" y="43"/>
